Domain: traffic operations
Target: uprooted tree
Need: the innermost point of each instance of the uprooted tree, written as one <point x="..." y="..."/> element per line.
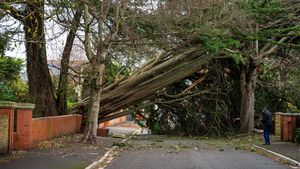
<point x="250" y="46"/>
<point x="156" y="74"/>
<point x="184" y="55"/>
<point x="188" y="33"/>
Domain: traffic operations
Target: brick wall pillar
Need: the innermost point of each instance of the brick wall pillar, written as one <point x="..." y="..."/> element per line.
<point x="7" y="108"/>
<point x="23" y="136"/>
<point x="278" y="126"/>
<point x="288" y="121"/>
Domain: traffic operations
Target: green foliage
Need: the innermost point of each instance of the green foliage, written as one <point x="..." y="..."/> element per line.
<point x="12" y="88"/>
<point x="143" y="28"/>
<point x="114" y="70"/>
<point x="7" y="93"/>
<point x="16" y="91"/>
<point x="277" y="87"/>
<point x="10" y="69"/>
<point x="215" y="43"/>
<point x="155" y="128"/>
<point x="264" y="11"/>
<point x="292" y="108"/>
<point x="266" y="72"/>
<point x="273" y="19"/>
<point x="72" y="98"/>
<point x="266" y="97"/>
<point x="209" y="113"/>
<point x="212" y="44"/>
<point x="237" y="58"/>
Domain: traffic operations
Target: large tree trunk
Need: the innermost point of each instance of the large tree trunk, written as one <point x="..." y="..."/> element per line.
<point x="97" y="71"/>
<point x="39" y="79"/>
<point x="95" y="94"/>
<point x="248" y="82"/>
<point x="63" y="78"/>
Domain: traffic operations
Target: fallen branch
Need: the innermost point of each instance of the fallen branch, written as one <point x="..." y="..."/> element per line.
<point x="161" y="72"/>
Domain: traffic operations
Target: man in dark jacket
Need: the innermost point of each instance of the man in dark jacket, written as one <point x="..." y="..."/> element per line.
<point x="267" y="122"/>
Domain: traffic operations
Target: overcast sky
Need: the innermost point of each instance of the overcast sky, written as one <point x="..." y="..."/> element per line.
<point x="54" y="45"/>
<point x="55" y="40"/>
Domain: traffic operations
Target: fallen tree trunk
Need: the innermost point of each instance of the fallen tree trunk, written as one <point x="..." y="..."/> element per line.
<point x="155" y="75"/>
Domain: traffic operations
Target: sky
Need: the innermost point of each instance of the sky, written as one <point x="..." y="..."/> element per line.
<point x="54" y="45"/>
<point x="55" y="40"/>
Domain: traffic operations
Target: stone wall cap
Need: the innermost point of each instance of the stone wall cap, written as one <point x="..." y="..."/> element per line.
<point x="288" y="114"/>
<point x="279" y="113"/>
<point x="7" y="104"/>
<point x="54" y="117"/>
<point x="13" y="105"/>
<point x="25" y="106"/>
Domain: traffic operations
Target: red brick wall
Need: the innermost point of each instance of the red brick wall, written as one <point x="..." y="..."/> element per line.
<point x="113" y="122"/>
<point x="23" y="136"/>
<point x="30" y="131"/>
<point x="288" y="127"/>
<point x="48" y="127"/>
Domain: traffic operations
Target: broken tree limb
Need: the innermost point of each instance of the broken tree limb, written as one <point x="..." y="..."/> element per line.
<point x="142" y="84"/>
<point x="132" y="109"/>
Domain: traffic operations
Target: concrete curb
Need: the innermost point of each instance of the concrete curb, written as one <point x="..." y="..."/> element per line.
<point x="109" y="155"/>
<point x="294" y="162"/>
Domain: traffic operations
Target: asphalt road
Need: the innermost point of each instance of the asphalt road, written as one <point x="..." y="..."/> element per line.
<point x="167" y="152"/>
<point x="192" y="159"/>
<point x="70" y="156"/>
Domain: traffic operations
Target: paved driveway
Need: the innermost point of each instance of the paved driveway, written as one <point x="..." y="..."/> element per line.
<point x="291" y="150"/>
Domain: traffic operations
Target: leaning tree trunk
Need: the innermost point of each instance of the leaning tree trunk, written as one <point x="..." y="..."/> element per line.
<point x="39" y="79"/>
<point x="62" y="90"/>
<point x="248" y="83"/>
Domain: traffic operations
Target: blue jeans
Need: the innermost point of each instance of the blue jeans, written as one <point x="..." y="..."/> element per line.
<point x="267" y="134"/>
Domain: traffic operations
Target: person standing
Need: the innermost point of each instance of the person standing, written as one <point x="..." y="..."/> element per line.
<point x="267" y="123"/>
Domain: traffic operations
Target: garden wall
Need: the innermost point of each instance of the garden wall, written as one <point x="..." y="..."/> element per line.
<point x="28" y="130"/>
<point x="113" y="122"/>
<point x="285" y="125"/>
<point x="31" y="131"/>
<point x="45" y="128"/>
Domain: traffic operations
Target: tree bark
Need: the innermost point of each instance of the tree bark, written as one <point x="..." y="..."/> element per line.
<point x="63" y="78"/>
<point x="39" y="79"/>
<point x="95" y="94"/>
<point x="248" y="79"/>
<point x="97" y="71"/>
